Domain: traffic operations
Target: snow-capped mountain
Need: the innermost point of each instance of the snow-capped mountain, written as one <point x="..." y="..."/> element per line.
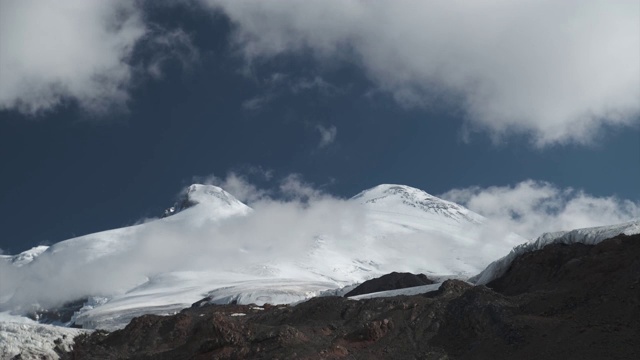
<point x="214" y="246"/>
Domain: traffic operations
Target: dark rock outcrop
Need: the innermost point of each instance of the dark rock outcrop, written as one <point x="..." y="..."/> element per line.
<point x="562" y="302"/>
<point x="392" y="281"/>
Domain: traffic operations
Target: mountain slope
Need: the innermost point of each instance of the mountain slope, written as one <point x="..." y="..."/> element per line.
<point x="579" y="302"/>
<point x="213" y="246"/>
<point x="402" y="199"/>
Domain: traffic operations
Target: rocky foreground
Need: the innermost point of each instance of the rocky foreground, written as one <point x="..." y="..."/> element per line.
<point x="563" y="302"/>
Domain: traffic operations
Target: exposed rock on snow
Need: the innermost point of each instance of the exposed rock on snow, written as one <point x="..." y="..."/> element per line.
<point x="393" y="281"/>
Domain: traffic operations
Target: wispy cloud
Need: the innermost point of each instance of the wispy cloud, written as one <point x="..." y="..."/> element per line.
<point x="279" y="84"/>
<point x="257" y="102"/>
<point x="290" y="187"/>
<point x="530" y="208"/>
<point x="327" y="135"/>
<point x="294" y="187"/>
<point x="316" y="83"/>
<point x="238" y="185"/>
<point x="164" y="46"/>
<point x="560" y="80"/>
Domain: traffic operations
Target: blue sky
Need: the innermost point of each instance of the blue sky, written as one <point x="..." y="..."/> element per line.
<point x="109" y="109"/>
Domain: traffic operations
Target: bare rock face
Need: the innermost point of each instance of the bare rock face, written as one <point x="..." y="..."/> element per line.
<point x="562" y="302"/>
<point x="391" y="281"/>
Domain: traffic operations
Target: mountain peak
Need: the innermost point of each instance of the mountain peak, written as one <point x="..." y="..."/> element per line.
<point x="393" y="189"/>
<point x="405" y="199"/>
<point x="207" y="195"/>
<point x="200" y="193"/>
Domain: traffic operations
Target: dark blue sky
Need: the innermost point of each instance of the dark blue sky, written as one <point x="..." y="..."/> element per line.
<point x="68" y="172"/>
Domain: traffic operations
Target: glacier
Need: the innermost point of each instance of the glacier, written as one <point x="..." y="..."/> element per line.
<point x="20" y="335"/>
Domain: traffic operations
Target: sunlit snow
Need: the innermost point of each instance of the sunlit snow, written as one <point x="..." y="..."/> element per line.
<point x="220" y="250"/>
<point x="19" y="335"/>
<point x="277" y="252"/>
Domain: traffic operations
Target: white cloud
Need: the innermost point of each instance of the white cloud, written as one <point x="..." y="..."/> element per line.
<point x="166" y="45"/>
<point x="315" y="83"/>
<point x="294" y="187"/>
<point x="289" y="188"/>
<point x="79" y="50"/>
<point x="559" y="71"/>
<point x="327" y="135"/>
<point x="75" y="49"/>
<point x="239" y="186"/>
<point x="279" y="84"/>
<point x="533" y="207"/>
<point x="257" y="102"/>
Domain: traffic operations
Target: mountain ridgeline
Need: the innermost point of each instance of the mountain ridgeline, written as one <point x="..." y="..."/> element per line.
<point x="215" y="278"/>
<point x="216" y="247"/>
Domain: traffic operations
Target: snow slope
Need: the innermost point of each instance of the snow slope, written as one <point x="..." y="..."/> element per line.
<point x="219" y="248"/>
<point x="25" y="257"/>
<point x="405" y="200"/>
<point x="411" y="230"/>
<point x="588" y="236"/>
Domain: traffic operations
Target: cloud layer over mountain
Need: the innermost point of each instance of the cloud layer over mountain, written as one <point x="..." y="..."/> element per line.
<point x="283" y="228"/>
<point x="530" y="208"/>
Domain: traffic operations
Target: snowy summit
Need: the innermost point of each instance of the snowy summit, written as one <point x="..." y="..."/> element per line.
<point x="407" y="200"/>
